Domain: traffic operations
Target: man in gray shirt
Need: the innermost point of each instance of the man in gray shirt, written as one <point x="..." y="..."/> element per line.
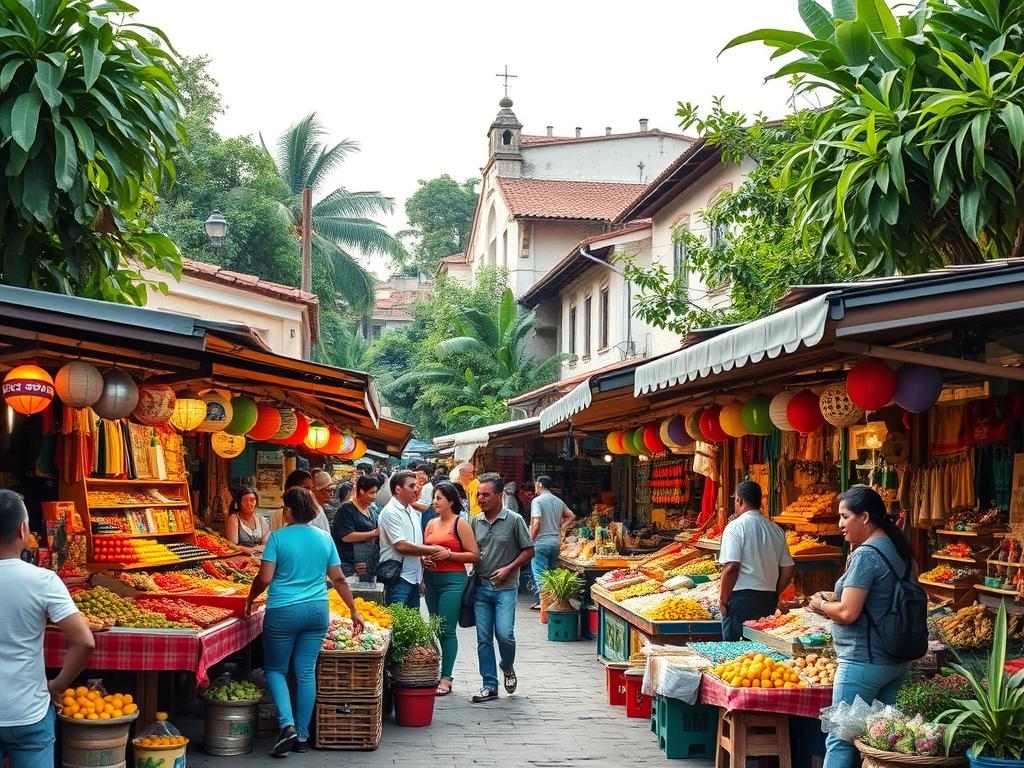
<point x="505" y="547"/>
<point x="548" y="514"/>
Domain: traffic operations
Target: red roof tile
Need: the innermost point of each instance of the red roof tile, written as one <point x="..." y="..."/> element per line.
<point x="455" y="258"/>
<point x="554" y="199"/>
<point x="396" y="304"/>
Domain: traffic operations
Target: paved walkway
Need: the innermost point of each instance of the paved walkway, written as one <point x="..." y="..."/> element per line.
<point x="559" y="718"/>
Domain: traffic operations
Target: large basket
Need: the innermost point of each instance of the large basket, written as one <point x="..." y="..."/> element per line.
<point x="876" y="758"/>
<point x="348" y="724"/>
<point x="350" y="673"/>
<point x="417" y="672"/>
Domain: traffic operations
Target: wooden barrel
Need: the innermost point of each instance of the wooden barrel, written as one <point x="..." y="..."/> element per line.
<point x="95" y="743"/>
<point x="230" y="726"/>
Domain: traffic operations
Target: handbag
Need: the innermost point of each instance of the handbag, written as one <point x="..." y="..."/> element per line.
<point x="389" y="572"/>
<point x="467" y="603"/>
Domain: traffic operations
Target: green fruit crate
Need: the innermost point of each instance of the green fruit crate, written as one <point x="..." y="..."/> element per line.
<point x="684" y="730"/>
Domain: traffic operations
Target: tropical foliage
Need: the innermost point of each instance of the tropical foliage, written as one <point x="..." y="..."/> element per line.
<point x="440" y="213"/>
<point x="89" y="117"/>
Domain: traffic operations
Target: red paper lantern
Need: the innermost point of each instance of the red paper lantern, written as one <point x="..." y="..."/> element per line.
<point x="268" y="421"/>
<point x="301" y="428"/>
<point x="804" y="412"/>
<point x="334" y="444"/>
<point x="28" y="389"/>
<point x="652" y="438"/>
<point x="871" y="384"/>
<point x="710" y="426"/>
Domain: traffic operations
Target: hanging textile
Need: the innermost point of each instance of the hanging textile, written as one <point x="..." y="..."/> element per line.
<point x="944" y="484"/>
<point x="708" y="502"/>
<point x="947" y="430"/>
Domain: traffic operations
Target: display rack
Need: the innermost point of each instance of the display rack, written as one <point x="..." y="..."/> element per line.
<point x="961" y="593"/>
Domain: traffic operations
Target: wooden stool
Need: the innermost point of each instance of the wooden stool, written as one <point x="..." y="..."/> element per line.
<point x="752" y="734"/>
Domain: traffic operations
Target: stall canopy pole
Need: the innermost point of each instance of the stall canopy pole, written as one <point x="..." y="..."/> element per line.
<point x="844" y="459"/>
<point x="926" y="358"/>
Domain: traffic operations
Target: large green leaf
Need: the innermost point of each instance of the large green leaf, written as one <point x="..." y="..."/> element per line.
<point x="92" y="60"/>
<point x="25" y="118"/>
<point x="66" y="164"/>
<point x="48" y="79"/>
<point x="816" y="18"/>
<point x="854" y="40"/>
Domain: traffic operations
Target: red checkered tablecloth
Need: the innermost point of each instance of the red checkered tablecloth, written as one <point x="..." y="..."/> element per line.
<point x="137" y="652"/>
<point x="805" y="702"/>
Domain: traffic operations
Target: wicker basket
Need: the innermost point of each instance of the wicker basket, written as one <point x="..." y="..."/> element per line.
<point x="350" y="673"/>
<point x="417" y="672"/>
<point x="876" y="758"/>
<point x="348" y="724"/>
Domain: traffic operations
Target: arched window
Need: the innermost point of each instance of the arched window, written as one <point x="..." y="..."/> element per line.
<point x="492" y="236"/>
<point x="506" y="138"/>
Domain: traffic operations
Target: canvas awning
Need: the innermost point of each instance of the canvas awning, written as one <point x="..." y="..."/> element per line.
<point x="467" y="443"/>
<point x="567" y="406"/>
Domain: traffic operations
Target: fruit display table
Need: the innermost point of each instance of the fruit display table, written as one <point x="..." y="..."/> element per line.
<point x="619" y="628"/>
<point x="588" y="575"/>
<point x="803" y="702"/>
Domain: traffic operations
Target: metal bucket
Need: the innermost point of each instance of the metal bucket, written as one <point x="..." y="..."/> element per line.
<point x="230" y="726"/>
<point x="95" y="743"/>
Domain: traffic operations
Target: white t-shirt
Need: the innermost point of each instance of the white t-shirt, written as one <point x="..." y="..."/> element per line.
<point x="321" y="521"/>
<point x="427" y="494"/>
<point x="400" y="523"/>
<point x="759" y="546"/>
<point x="31" y="596"/>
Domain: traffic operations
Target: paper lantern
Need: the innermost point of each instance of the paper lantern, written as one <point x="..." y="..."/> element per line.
<point x="673" y="432"/>
<point x="804" y="412"/>
<point x="348" y="443"/>
<point x="871" y="384"/>
<point x="777" y="411"/>
<point x="28" y="389"/>
<point x="757" y="416"/>
<point x="652" y="438"/>
<point x="268" y="421"/>
<point x="613" y="442"/>
<point x="837" y="408"/>
<point x="710" y="426"/>
<point x="301" y="429"/>
<point x="731" y="419"/>
<point x="189" y="410"/>
<point x="119" y="398"/>
<point x="226" y="445"/>
<point x="317" y="436"/>
<point x="693" y="425"/>
<point x="357" y="452"/>
<point x="218" y="413"/>
<point x="629" y="443"/>
<point x="639" y="443"/>
<point x="289" y="423"/>
<point x="917" y="387"/>
<point x="79" y="384"/>
<point x="335" y="443"/>
<point x="156" y="404"/>
<point x="243" y="416"/>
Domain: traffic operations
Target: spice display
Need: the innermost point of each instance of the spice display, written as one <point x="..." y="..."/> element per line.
<point x="704" y="567"/>
<point x="620" y="579"/>
<point x="371" y="612"/>
<point x="755" y="670"/>
<point x="678" y="609"/>
<point x="970" y="627"/>
<point x="186" y="613"/>
<point x="819" y="670"/>
<point x="944" y="574"/>
<point x="812" y="506"/>
<point x="723" y="651"/>
<point x="102" y="606"/>
<point x="802" y="544"/>
<point x="646" y="587"/>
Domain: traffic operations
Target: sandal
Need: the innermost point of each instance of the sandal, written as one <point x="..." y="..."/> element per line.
<point x="511" y="681"/>
<point x="444" y="691"/>
<point x="486" y="694"/>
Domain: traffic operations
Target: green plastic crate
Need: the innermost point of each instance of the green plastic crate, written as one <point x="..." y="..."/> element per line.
<point x="685" y="731"/>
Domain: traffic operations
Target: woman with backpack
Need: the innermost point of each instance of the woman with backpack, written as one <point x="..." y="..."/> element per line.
<point x="444" y="574"/>
<point x="878" y="611"/>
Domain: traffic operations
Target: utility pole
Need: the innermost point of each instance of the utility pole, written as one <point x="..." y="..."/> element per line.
<point x="307" y="240"/>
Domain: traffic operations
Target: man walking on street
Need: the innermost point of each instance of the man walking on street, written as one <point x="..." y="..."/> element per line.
<point x="401" y="538"/>
<point x="756" y="564"/>
<point x="505" y="547"/>
<point x="547" y="515"/>
<point x="32" y="597"/>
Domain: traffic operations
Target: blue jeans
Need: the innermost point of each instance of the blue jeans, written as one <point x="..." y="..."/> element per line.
<point x="29" y="746"/>
<point x="495" y="618"/>
<point x="545" y="556"/>
<point x="869" y="681"/>
<point x="293" y="634"/>
<point x="403" y="593"/>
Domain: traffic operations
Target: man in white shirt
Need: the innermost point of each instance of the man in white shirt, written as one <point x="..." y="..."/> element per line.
<point x="424" y="472"/>
<point x="31" y="597"/>
<point x="401" y="539"/>
<point x="756" y="564"/>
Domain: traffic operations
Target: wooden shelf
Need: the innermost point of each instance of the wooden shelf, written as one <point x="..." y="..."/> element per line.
<point x="954" y="559"/>
<point x="142" y="566"/>
<point x="994" y="590"/>
<point x="982" y="534"/>
<point x="962" y="584"/>
<point x="117" y="481"/>
<point x="1004" y="562"/>
<point x="141" y="535"/>
<point x="174" y="505"/>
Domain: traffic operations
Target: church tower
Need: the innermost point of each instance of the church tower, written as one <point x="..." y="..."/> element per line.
<point x="505" y="141"/>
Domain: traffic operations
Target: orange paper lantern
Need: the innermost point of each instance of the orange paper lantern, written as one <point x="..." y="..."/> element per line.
<point x="334" y="444"/>
<point x="357" y="452"/>
<point x="268" y="421"/>
<point x="28" y="389"/>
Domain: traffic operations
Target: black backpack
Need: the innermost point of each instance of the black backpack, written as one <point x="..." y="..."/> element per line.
<point x="903" y="629"/>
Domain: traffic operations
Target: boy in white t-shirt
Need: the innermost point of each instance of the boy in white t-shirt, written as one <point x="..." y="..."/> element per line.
<point x="31" y="597"/>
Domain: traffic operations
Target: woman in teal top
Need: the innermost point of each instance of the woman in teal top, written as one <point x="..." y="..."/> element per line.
<point x="295" y="561"/>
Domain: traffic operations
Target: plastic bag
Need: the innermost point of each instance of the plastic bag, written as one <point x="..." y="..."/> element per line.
<point x="848" y="721"/>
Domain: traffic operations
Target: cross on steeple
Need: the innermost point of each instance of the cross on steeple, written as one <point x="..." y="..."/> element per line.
<point x="507" y="76"/>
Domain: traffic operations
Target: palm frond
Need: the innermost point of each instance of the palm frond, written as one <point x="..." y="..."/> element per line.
<point x="427" y="377"/>
<point x="485" y="326"/>
<point x="342" y="203"/>
<point x="298" y="149"/>
<point x="367" y="235"/>
<point x="348" y="276"/>
<point x="464" y="345"/>
<point x="328" y="160"/>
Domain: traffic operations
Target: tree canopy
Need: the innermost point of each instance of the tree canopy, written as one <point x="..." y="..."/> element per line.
<point x="440" y="213"/>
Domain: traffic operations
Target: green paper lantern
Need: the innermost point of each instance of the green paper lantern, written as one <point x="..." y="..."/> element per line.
<point x="756" y="416"/>
<point x="243" y="416"/>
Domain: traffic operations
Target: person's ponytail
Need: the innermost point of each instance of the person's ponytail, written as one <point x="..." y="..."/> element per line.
<point x="860" y="499"/>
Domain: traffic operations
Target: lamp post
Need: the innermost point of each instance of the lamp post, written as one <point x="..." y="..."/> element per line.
<point x="216" y="227"/>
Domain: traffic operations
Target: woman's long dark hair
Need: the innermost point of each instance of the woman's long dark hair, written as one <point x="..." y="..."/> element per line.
<point x="860" y="499"/>
<point x="449" y="491"/>
<point x="300" y="502"/>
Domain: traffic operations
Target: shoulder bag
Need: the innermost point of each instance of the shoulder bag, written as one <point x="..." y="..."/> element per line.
<point x="467" y="606"/>
<point x="389" y="572"/>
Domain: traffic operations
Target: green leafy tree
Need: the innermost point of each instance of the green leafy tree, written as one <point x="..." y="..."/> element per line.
<point x="89" y="118"/>
<point x="916" y="161"/>
<point x="440" y="213"/>
<point x="341" y="343"/>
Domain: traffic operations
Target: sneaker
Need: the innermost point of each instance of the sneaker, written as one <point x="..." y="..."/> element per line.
<point x="486" y="694"/>
<point x="285" y="741"/>
<point x="535" y="607"/>
<point x="301" y="746"/>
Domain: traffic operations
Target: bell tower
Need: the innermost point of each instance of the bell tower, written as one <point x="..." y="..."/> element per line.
<point x="505" y="137"/>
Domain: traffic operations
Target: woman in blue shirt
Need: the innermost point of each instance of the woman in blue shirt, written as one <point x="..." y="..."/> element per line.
<point x="295" y="561"/>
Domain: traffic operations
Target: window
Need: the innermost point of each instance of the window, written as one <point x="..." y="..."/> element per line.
<point x="605" y="310"/>
<point x="681" y="254"/>
<point x="572" y="329"/>
<point x="587" y="306"/>
<point x="506" y="138"/>
<point x="375" y="330"/>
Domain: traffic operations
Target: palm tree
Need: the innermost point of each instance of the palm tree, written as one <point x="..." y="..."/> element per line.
<point x="342" y="220"/>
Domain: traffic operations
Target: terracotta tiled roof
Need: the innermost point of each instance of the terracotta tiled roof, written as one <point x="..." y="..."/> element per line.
<point x="255" y="284"/>
<point x="456" y="258"/>
<point x="528" y="140"/>
<point x="396" y="304"/>
<point x="553" y="199"/>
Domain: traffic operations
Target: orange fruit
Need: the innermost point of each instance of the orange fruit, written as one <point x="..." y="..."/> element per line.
<point x="69" y="693"/>
<point x="128" y="698"/>
<point x="780" y="684"/>
<point x="92" y="716"/>
<point x="755" y="683"/>
<point x="117" y="713"/>
<point x="129" y="708"/>
<point x="93" y="695"/>
<point x="105" y="716"/>
<point x="68" y="701"/>
<point x="81" y="690"/>
<point x="78" y="716"/>
<point x="82" y="701"/>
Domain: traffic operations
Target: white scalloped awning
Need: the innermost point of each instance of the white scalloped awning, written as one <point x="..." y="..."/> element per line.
<point x="566" y="406"/>
<point x="750" y="343"/>
<point x="466" y="443"/>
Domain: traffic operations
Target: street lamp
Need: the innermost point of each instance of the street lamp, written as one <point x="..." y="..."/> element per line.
<point x="216" y="229"/>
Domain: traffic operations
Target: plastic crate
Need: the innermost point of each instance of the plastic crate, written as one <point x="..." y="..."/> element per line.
<point x="685" y="730"/>
<point x="616" y="676"/>
<point x="638" y="704"/>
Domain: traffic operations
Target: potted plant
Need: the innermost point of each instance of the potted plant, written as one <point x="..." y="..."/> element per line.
<point x="992" y="720"/>
<point x="563" y="619"/>
<point x="415" y="664"/>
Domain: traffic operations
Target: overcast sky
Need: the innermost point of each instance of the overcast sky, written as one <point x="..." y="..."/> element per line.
<point x="414" y="82"/>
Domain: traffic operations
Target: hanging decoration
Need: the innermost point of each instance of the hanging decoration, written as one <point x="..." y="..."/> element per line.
<point x="693" y="425"/>
<point x="357" y="452"/>
<point x="652" y="438"/>
<point x="630" y="444"/>
<point x="317" y="436"/>
<point x="268" y="421"/>
<point x="917" y="387"/>
<point x="804" y="412"/>
<point x="28" y="389"/>
<point x="335" y="443"/>
<point x="731" y="419"/>
<point x="673" y="432"/>
<point x="218" y="413"/>
<point x="837" y="408"/>
<point x="226" y="445"/>
<point x="301" y="429"/>
<point x="757" y="416"/>
<point x="778" y="411"/>
<point x="243" y="416"/>
<point x="348" y="443"/>
<point x="119" y="398"/>
<point x="79" y="384"/>
<point x="710" y="426"/>
<point x="156" y="404"/>
<point x="189" y="410"/>
<point x="871" y="384"/>
<point x="613" y="442"/>
<point x="289" y="423"/>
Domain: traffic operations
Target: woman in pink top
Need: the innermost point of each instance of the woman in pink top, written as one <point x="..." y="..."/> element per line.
<point x="445" y="574"/>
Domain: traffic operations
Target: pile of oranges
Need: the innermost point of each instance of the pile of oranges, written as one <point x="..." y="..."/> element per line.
<point x="82" y="703"/>
<point x="160" y="741"/>
<point x="755" y="670"/>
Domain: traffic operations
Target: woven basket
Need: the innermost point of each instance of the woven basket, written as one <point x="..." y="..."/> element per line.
<point x="348" y="724"/>
<point x="876" y="758"/>
<point x="350" y="673"/>
<point x="417" y="672"/>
